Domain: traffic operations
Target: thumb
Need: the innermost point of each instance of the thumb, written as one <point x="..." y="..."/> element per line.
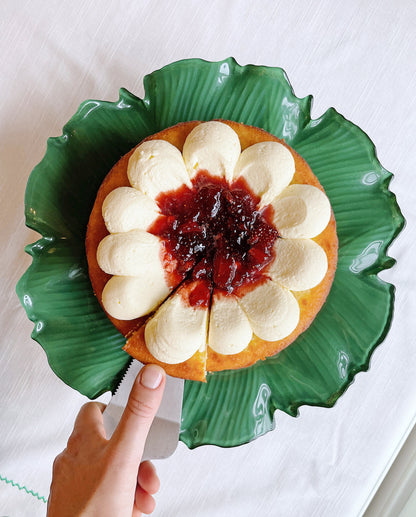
<point x="144" y="401"/>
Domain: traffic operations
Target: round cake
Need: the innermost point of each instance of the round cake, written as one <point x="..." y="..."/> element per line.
<point x="211" y="245"/>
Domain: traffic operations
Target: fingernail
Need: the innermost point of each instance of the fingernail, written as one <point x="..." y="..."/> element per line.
<point x="151" y="376"/>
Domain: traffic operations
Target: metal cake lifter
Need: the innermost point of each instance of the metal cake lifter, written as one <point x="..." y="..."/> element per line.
<point x="164" y="433"/>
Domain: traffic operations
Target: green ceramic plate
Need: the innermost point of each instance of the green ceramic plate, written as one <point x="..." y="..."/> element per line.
<point x="233" y="407"/>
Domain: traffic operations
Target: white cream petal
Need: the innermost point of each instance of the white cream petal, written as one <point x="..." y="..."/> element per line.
<point x="157" y="166"/>
<point x="229" y="328"/>
<point x="127" y="298"/>
<point x="212" y="146"/>
<point x="272" y="310"/>
<point x="299" y="264"/>
<point x="130" y="253"/>
<point x="177" y="330"/>
<point x="126" y="208"/>
<point x="267" y="167"/>
<point x="301" y="211"/>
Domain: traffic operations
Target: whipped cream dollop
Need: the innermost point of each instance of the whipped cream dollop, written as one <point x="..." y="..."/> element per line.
<point x="272" y="310"/>
<point x="299" y="264"/>
<point x="120" y="295"/>
<point x="301" y="212"/>
<point x="267" y="167"/>
<point x="157" y="166"/>
<point x="177" y="330"/>
<point x="268" y="310"/>
<point x="138" y="284"/>
<point x="128" y="253"/>
<point x="126" y="208"/>
<point x="212" y="146"/>
<point x="229" y="328"/>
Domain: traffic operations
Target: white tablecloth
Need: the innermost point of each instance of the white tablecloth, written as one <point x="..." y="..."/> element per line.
<point x="356" y="56"/>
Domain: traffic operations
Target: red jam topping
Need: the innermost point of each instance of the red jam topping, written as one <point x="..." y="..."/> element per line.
<point x="214" y="232"/>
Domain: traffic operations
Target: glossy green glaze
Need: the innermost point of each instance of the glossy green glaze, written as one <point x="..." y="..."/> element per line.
<point x="233" y="407"/>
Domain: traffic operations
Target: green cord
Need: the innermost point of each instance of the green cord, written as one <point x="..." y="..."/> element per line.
<point x="30" y="492"/>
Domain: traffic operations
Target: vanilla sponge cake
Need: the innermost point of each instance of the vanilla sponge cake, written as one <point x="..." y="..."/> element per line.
<point x="211" y="245"/>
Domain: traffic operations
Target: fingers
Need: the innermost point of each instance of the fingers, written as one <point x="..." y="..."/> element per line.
<point x="147" y="484"/>
<point x="148" y="478"/>
<point x="145" y="397"/>
<point x="90" y="420"/>
<point x="143" y="502"/>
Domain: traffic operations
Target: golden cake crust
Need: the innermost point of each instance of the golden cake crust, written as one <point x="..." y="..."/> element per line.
<point x="310" y="302"/>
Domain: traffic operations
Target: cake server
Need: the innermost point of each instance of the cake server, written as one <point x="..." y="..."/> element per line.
<point x="163" y="436"/>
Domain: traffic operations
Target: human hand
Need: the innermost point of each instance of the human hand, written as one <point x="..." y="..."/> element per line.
<point x="94" y="476"/>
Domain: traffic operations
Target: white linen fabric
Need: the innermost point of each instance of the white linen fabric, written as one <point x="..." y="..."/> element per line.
<point x="356" y="56"/>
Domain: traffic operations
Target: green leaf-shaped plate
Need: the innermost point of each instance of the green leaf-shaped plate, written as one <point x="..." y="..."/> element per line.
<point x="233" y="407"/>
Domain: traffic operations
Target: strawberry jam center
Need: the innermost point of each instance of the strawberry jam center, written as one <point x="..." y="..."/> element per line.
<point x="214" y="232"/>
